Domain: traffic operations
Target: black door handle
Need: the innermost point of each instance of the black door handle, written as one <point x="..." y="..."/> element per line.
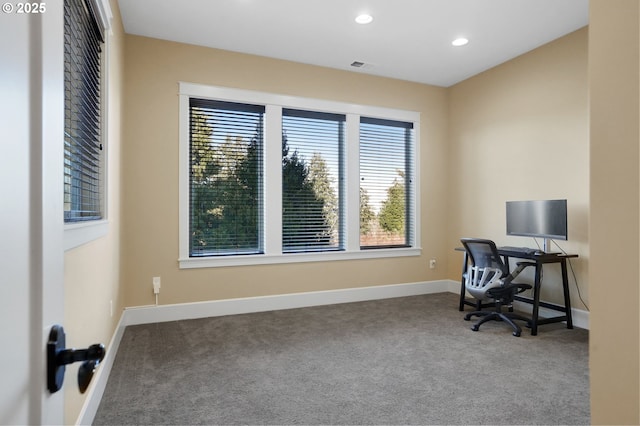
<point x="58" y="357"/>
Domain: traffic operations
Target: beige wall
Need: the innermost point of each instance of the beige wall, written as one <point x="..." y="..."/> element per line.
<point x="520" y="132"/>
<point x="150" y="172"/>
<point x="614" y="89"/>
<point x="473" y="120"/>
<point x="92" y="271"/>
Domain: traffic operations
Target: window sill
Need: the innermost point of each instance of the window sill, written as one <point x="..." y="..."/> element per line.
<point x="264" y="259"/>
<point x="77" y="234"/>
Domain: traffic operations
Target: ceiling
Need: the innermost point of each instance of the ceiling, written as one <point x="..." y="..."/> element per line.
<point x="408" y="39"/>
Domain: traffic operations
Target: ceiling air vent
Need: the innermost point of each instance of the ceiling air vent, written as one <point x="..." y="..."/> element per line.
<point x="357" y="64"/>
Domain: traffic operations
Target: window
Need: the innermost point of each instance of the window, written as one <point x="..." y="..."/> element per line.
<point x="226" y="178"/>
<point x="386" y="183"/>
<point x="311" y="180"/>
<point x="274" y="179"/>
<point x="83" y="147"/>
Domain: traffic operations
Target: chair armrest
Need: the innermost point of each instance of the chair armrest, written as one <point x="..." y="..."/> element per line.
<point x="520" y="267"/>
<point x="520" y="287"/>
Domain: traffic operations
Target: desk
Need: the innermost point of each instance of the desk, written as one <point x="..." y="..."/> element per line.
<point x="540" y="260"/>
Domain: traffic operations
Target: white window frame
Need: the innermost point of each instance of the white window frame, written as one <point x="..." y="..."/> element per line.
<point x="79" y="233"/>
<point x="274" y="104"/>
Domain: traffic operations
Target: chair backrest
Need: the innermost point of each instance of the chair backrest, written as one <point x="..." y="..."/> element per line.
<point x="487" y="268"/>
<point x="484" y="253"/>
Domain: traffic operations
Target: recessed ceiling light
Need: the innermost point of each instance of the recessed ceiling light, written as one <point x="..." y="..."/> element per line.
<point x="364" y="19"/>
<point x="461" y="41"/>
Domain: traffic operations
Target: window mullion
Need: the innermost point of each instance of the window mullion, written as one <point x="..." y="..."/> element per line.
<point x="273" y="181"/>
<point x="184" y="173"/>
<point x="415" y="186"/>
<point x="352" y="176"/>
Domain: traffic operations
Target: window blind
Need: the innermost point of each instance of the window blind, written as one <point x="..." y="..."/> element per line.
<point x="83" y="186"/>
<point x="386" y="183"/>
<point x="312" y="181"/>
<point x="226" y="172"/>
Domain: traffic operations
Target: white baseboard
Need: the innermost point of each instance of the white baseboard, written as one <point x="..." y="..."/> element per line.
<point x="579" y="317"/>
<point x="182" y="311"/>
<point x="162" y="313"/>
<point x="96" y="390"/>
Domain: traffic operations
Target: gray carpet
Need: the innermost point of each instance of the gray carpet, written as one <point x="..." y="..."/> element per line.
<point x="410" y="360"/>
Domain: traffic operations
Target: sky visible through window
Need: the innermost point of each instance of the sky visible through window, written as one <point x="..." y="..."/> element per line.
<point x="382" y="160"/>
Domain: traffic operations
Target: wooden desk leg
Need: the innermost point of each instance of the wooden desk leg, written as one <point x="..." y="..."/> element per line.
<point x="462" y="289"/>
<point x="565" y="287"/>
<point x="536" y="300"/>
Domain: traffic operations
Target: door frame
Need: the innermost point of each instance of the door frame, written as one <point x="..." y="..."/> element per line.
<point x="51" y="141"/>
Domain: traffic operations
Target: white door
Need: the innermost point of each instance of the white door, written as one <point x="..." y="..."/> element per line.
<point x="31" y="237"/>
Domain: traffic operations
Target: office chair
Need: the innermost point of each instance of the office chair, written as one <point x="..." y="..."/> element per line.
<point x="488" y="278"/>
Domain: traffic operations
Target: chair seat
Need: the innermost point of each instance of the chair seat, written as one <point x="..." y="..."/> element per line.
<point x="509" y="291"/>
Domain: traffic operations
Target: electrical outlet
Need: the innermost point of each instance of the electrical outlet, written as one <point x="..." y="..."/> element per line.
<point x="432" y="264"/>
<point x="156" y="285"/>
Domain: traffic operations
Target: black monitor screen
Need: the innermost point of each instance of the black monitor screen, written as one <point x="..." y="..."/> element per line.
<point x="541" y="218"/>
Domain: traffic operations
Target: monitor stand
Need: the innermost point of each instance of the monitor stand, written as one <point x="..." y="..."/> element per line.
<point x="548" y="249"/>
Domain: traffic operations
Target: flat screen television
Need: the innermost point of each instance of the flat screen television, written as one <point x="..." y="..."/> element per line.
<point x="538" y="218"/>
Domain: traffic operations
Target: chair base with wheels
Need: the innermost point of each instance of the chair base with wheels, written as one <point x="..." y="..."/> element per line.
<point x="498" y="315"/>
